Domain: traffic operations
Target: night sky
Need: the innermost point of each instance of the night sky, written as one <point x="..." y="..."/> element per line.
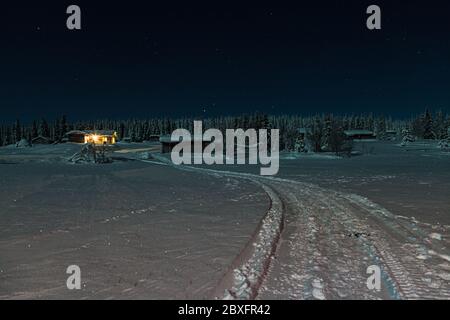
<point x="145" y="59"/>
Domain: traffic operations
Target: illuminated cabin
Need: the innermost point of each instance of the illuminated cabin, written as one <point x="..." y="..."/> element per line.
<point x="92" y="136"/>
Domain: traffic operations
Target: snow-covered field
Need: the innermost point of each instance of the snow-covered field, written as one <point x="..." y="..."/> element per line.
<point x="136" y="230"/>
<point x="413" y="181"/>
<point x="146" y="229"/>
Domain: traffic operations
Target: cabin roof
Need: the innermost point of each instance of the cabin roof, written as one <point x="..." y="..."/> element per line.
<point x="40" y="138"/>
<point x="86" y="132"/>
<point x="73" y="132"/>
<point x="358" y="132"/>
<point x="304" y="130"/>
<point x="101" y="132"/>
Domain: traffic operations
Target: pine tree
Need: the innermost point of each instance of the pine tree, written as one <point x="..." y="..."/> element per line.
<point x="439" y="127"/>
<point x="336" y="139"/>
<point x="316" y="135"/>
<point x="121" y="131"/>
<point x="328" y="128"/>
<point x="381" y="128"/>
<point x="17" y="131"/>
<point x="44" y="130"/>
<point x="428" y="126"/>
<point x="34" y="130"/>
<point x="62" y="127"/>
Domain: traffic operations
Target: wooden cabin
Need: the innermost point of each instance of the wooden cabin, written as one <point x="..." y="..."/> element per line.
<point x="391" y="134"/>
<point x="154" y="138"/>
<point x="92" y="136"/>
<point x="167" y="143"/>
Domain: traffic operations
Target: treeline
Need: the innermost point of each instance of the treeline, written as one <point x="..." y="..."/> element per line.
<point x="321" y="128"/>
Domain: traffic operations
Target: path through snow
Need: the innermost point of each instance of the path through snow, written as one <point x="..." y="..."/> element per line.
<point x="327" y="242"/>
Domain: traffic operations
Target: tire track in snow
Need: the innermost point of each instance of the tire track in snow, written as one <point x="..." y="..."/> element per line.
<point x="416" y="278"/>
<point x="331" y="264"/>
<point x="314" y="258"/>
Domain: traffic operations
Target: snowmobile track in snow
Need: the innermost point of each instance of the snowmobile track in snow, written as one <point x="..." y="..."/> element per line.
<point x="316" y="243"/>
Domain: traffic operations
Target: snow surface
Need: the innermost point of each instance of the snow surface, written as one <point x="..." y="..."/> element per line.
<point x="333" y="232"/>
<point x="136" y="230"/>
<point x="143" y="228"/>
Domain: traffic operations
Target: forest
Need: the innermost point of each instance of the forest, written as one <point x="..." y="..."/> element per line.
<point x="321" y="129"/>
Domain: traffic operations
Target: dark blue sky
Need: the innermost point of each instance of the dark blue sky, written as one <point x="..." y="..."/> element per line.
<point x="143" y="59"/>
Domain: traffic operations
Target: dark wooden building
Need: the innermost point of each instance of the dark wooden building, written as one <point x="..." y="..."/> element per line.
<point x="167" y="144"/>
<point x="360" y="135"/>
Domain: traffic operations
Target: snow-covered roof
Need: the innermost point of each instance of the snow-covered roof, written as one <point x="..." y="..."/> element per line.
<point x="85" y="132"/>
<point x="79" y="132"/>
<point x="40" y="138"/>
<point x="303" y="130"/>
<point x="358" y="132"/>
<point x="101" y="132"/>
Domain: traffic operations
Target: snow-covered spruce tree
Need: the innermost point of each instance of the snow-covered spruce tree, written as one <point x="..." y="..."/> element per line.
<point x="444" y="144"/>
<point x="121" y="131"/>
<point x="407" y="137"/>
<point x="7" y="140"/>
<point x="328" y="128"/>
<point x="439" y="126"/>
<point x="17" y="131"/>
<point x="63" y="127"/>
<point x="336" y="140"/>
<point x="381" y="128"/>
<point x="316" y="135"/>
<point x="34" y="130"/>
<point x="300" y="145"/>
<point x="417" y="126"/>
<point x="428" y="132"/>
<point x="289" y="135"/>
<point x="2" y="136"/>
